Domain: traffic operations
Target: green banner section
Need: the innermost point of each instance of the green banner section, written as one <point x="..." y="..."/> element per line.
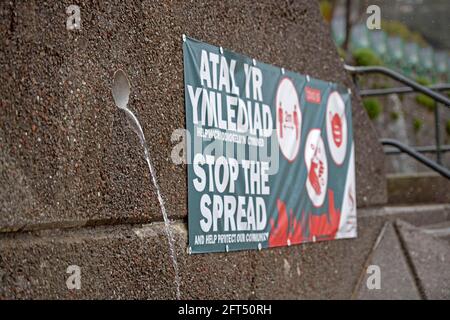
<point x="270" y="154"/>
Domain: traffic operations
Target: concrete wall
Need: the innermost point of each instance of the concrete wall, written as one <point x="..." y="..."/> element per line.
<point x="74" y="185"/>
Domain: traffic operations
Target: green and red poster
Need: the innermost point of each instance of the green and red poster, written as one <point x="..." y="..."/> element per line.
<point x="271" y="158"/>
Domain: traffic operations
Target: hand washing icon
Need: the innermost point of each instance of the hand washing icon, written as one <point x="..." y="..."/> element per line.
<point x="317" y="167"/>
<point x="315" y="173"/>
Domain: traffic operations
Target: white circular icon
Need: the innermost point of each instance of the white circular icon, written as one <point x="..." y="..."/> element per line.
<point x="289" y="119"/>
<point x="336" y="127"/>
<point x="317" y="167"/>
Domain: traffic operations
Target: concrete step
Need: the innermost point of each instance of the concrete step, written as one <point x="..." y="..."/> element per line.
<point x="441" y="230"/>
<point x="411" y="261"/>
<point x="429" y="257"/>
<point x="395" y="278"/>
<point x="426" y="187"/>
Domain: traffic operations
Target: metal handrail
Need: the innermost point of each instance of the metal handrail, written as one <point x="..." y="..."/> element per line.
<point x="401" y="78"/>
<point x="415" y="87"/>
<point x="403" y="90"/>
<point x="421" y="149"/>
<point x="418" y="156"/>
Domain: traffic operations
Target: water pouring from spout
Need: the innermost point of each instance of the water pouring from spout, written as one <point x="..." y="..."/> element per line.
<point x="121" y="94"/>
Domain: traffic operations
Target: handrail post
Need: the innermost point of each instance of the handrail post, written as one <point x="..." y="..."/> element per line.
<point x="355" y="81"/>
<point x="437" y="133"/>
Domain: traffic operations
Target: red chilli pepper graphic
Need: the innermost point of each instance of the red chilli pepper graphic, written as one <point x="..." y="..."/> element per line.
<point x="325" y="226"/>
<point x="285" y="228"/>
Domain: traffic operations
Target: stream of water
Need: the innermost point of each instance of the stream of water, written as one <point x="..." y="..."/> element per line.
<point x="138" y="129"/>
<point x="121" y="93"/>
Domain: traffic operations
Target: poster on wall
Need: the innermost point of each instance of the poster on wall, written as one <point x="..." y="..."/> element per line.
<point x="270" y="154"/>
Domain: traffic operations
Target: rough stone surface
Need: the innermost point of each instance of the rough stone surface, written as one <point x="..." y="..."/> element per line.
<point x="430" y="258"/>
<point x="117" y="262"/>
<point x="424" y="187"/>
<point x="325" y="270"/>
<point x="68" y="157"/>
<point x="133" y="261"/>
<point x="396" y="280"/>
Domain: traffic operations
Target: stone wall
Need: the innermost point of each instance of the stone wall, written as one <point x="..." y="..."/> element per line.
<point x="74" y="184"/>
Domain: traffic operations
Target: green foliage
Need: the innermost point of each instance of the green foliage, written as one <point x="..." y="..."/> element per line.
<point x="326" y="8"/>
<point x="380" y="85"/>
<point x="417" y="124"/>
<point x="373" y="107"/>
<point x="395" y="115"/>
<point x="341" y="52"/>
<point x="423" y="99"/>
<point x="396" y="28"/>
<point x="423" y="81"/>
<point x="366" y="57"/>
<point x="447" y="127"/>
<point x="426" y="101"/>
